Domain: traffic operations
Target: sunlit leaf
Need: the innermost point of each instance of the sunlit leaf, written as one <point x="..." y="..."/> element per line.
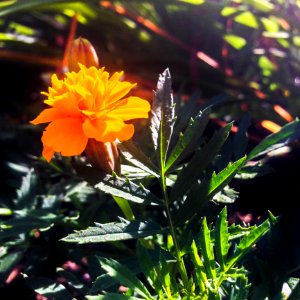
<point x="228" y="10"/>
<point x="247" y="18"/>
<point x="247" y="242"/>
<point x="207" y="251"/>
<point x="265" y="63"/>
<point x="163" y="116"/>
<point x="222" y="238"/>
<point x="124" y="276"/>
<point x="126" y="189"/>
<point x="270" y="24"/>
<point x="203" y="192"/>
<point x="193" y="131"/>
<point x="135" y="155"/>
<point x="197" y="164"/>
<point x="288" y="133"/>
<point x="235" y="41"/>
<point x="113" y="232"/>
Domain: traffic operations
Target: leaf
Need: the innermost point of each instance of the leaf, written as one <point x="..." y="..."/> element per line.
<point x="287" y="133"/>
<point x="33" y="5"/>
<point x="26" y="193"/>
<point x="261" y="5"/>
<point x="49" y="288"/>
<point x="101" y="283"/>
<point x="207" y="250"/>
<point x="235" y="41"/>
<point x="125" y="207"/>
<point x="227" y="195"/>
<point x="163" y="116"/>
<point x="201" y="159"/>
<point x="7" y="262"/>
<point x="220" y="180"/>
<point x="295" y="294"/>
<point x="112" y="296"/>
<point x="240" y="289"/>
<point x="134" y="155"/>
<point x="247" y="18"/>
<point x="113" y="232"/>
<point x="247" y="242"/>
<point x="205" y="191"/>
<point x="266" y="64"/>
<point x="126" y="189"/>
<point x="147" y="266"/>
<point x="24" y="221"/>
<point x="222" y="238"/>
<point x="194" y="131"/>
<point x="199" y="267"/>
<point x="228" y="10"/>
<point x="124" y="276"/>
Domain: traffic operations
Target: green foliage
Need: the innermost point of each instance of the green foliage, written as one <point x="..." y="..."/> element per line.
<point x="113" y="232"/>
<point x="175" y="175"/>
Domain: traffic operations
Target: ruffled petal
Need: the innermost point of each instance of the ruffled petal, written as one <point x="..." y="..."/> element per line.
<point x="108" y="130"/>
<point x="65" y="136"/>
<point x="68" y="104"/>
<point x="130" y="108"/>
<point x="48" y="115"/>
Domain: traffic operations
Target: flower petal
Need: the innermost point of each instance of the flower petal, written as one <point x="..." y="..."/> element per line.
<point x="48" y="152"/>
<point x="48" y="115"/>
<point x="130" y="108"/>
<point x="107" y="130"/>
<point x="65" y="136"/>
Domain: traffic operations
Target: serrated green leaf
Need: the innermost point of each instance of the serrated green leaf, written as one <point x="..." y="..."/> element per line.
<point x="163" y="116"/>
<point x="201" y="159"/>
<point x="276" y="140"/>
<point x="126" y="189"/>
<point x="193" y="131"/>
<point x="49" y="288"/>
<point x="199" y="267"/>
<point x="135" y="156"/>
<point x="201" y="193"/>
<point x="222" y="238"/>
<point x="113" y="232"/>
<point x="247" y="242"/>
<point x="124" y="276"/>
<point x="220" y="180"/>
<point x="112" y="296"/>
<point x="207" y="250"/>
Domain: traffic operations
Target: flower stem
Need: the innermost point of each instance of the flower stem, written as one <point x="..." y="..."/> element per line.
<point x="181" y="265"/>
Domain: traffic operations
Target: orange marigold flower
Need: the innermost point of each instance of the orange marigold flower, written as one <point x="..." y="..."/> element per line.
<point x="86" y="105"/>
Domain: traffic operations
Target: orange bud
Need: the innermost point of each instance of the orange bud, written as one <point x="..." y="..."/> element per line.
<point x="103" y="156"/>
<point x="82" y="51"/>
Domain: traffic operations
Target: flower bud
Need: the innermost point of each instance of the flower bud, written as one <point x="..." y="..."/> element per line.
<point x="103" y="156"/>
<point x="82" y="51"/>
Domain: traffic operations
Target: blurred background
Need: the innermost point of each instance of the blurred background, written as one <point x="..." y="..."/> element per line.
<point x="241" y="56"/>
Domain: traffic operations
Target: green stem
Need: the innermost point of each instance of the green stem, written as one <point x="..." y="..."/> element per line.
<point x="181" y="265"/>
